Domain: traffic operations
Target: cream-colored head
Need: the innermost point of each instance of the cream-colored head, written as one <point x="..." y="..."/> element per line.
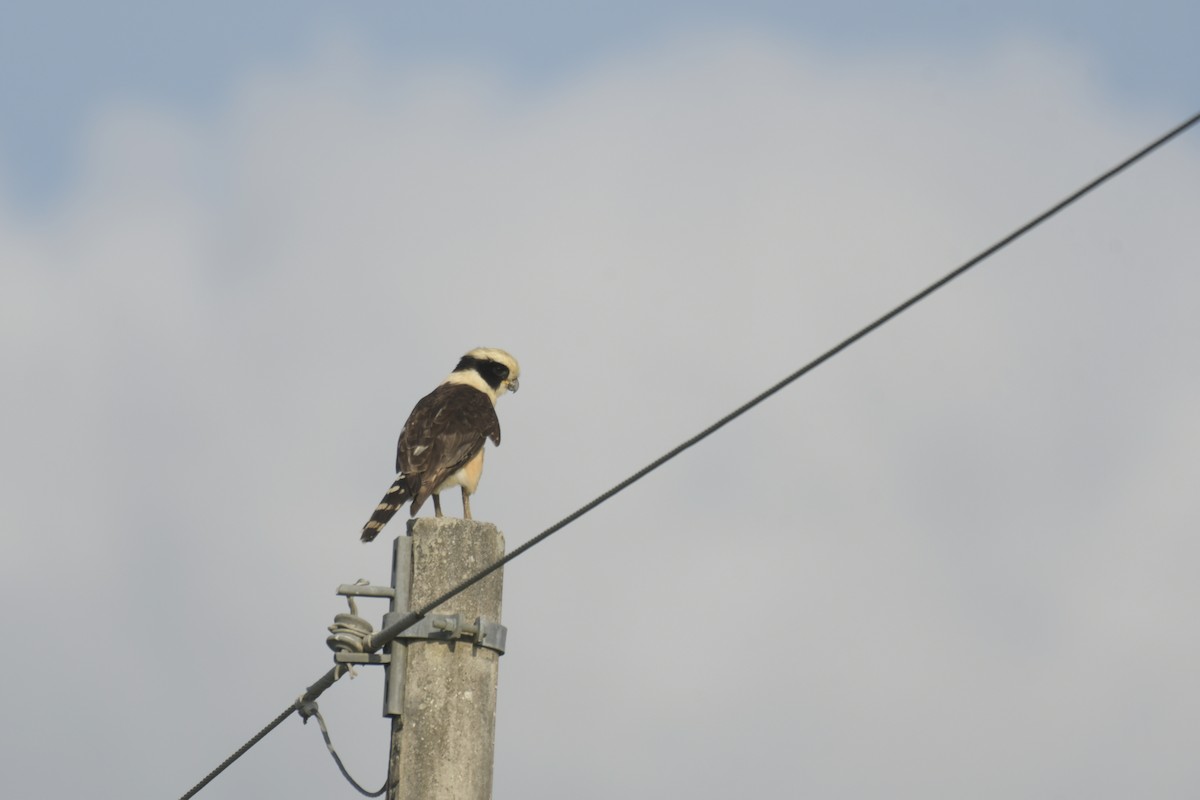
<point x="488" y="369"/>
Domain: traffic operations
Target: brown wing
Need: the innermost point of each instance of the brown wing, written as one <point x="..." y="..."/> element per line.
<point x="445" y="431"/>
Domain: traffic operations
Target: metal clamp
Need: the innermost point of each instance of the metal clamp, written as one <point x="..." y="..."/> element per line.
<point x="452" y="627"/>
<point x="343" y="657"/>
<point x="362" y="588"/>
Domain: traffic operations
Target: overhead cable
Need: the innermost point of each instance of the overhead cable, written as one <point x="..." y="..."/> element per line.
<point x="390" y="632"/>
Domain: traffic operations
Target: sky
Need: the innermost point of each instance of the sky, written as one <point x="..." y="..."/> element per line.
<point x="239" y="241"/>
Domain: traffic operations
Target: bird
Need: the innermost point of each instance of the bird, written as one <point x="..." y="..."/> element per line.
<point x="441" y="444"/>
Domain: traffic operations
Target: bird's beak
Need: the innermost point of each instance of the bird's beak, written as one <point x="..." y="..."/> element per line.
<point x="513" y="385"/>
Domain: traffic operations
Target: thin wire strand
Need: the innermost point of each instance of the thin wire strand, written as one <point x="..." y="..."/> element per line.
<point x="242" y="750"/>
<point x="811" y="365"/>
<point x="390" y="632"/>
<point x="338" y="760"/>
<point x="311" y="694"/>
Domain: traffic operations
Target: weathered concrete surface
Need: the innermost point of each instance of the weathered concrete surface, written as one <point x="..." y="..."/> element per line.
<point x="448" y="728"/>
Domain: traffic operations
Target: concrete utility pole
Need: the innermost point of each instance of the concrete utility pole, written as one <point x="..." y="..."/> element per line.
<point x="443" y="742"/>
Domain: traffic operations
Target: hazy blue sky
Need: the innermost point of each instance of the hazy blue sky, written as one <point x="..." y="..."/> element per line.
<point x="61" y="63"/>
<point x="239" y="241"/>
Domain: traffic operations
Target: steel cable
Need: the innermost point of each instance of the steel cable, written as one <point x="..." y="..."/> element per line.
<point x="389" y="633"/>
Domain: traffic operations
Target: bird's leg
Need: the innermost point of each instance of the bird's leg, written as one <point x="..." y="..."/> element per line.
<point x="466" y="503"/>
<point x="437" y="506"/>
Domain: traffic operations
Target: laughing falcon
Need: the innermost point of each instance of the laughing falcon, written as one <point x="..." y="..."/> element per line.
<point x="442" y="443"/>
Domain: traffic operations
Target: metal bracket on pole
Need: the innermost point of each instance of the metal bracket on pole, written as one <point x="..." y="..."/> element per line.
<point x="350" y="632"/>
<point x="452" y="627"/>
<point x="393" y="693"/>
<point x="362" y="658"/>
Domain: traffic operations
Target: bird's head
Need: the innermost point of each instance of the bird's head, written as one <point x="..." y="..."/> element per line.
<point x="498" y="371"/>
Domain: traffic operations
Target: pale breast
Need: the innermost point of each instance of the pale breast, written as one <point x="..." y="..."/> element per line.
<point x="466" y="476"/>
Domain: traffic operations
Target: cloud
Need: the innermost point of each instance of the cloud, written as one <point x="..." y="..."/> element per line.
<point x="950" y="561"/>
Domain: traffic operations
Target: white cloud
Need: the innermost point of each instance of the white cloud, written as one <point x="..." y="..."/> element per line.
<point x="952" y="561"/>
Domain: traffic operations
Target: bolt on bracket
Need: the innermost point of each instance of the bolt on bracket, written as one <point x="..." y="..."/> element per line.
<point x="452" y="627"/>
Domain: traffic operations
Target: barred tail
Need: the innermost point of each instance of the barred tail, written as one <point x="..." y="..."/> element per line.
<point x="392" y="502"/>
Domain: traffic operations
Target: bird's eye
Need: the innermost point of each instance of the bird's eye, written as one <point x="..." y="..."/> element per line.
<point x="500" y="371"/>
